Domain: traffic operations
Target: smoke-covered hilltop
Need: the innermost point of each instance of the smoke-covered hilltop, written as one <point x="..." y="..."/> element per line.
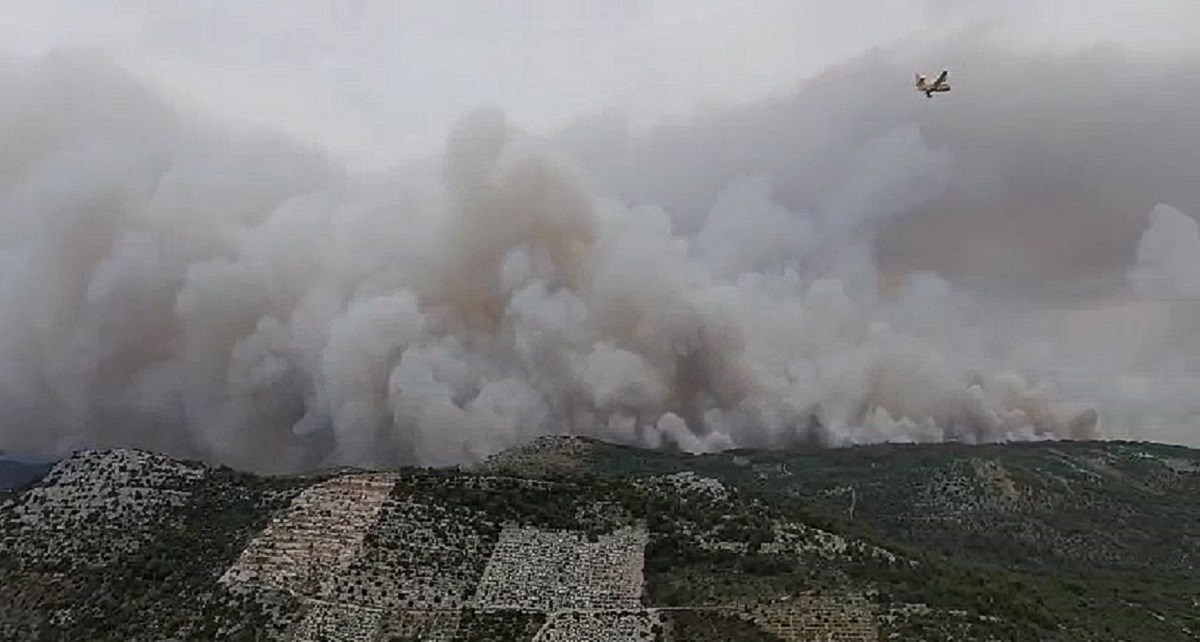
<point x="849" y="264"/>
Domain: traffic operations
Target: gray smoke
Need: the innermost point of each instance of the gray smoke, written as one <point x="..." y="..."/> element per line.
<point x="851" y="263"/>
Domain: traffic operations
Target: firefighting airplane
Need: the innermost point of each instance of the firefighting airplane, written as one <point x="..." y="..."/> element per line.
<point x="938" y="86"/>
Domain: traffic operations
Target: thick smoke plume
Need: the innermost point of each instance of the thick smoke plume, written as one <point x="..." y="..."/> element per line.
<point x="849" y="264"/>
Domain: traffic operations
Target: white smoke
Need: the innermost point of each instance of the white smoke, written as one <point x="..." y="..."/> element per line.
<point x="1168" y="257"/>
<point x="1155" y="389"/>
<point x="177" y="285"/>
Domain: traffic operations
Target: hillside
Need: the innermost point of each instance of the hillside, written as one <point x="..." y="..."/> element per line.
<point x="573" y="539"/>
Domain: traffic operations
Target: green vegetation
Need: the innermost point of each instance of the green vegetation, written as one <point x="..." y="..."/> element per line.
<point x="1055" y="541"/>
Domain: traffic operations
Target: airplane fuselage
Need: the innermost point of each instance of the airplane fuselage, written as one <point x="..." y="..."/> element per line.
<point x="930" y="88"/>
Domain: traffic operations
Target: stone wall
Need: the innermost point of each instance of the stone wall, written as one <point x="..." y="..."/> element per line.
<point x="818" y="617"/>
<point x="601" y="627"/>
<point x="318" y="534"/>
<point x="418" y="556"/>
<point x="533" y="569"/>
<point x="427" y="626"/>
<point x="343" y="622"/>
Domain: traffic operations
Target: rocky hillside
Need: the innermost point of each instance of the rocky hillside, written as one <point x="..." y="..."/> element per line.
<point x="572" y="539"/>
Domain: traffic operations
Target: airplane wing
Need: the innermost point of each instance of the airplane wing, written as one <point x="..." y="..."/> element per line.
<point x="941" y="78"/>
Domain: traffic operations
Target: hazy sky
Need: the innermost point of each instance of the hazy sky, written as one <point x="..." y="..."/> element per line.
<point x="377" y="81"/>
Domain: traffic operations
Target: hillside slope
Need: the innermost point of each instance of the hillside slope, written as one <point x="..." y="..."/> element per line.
<point x="573" y="539"/>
